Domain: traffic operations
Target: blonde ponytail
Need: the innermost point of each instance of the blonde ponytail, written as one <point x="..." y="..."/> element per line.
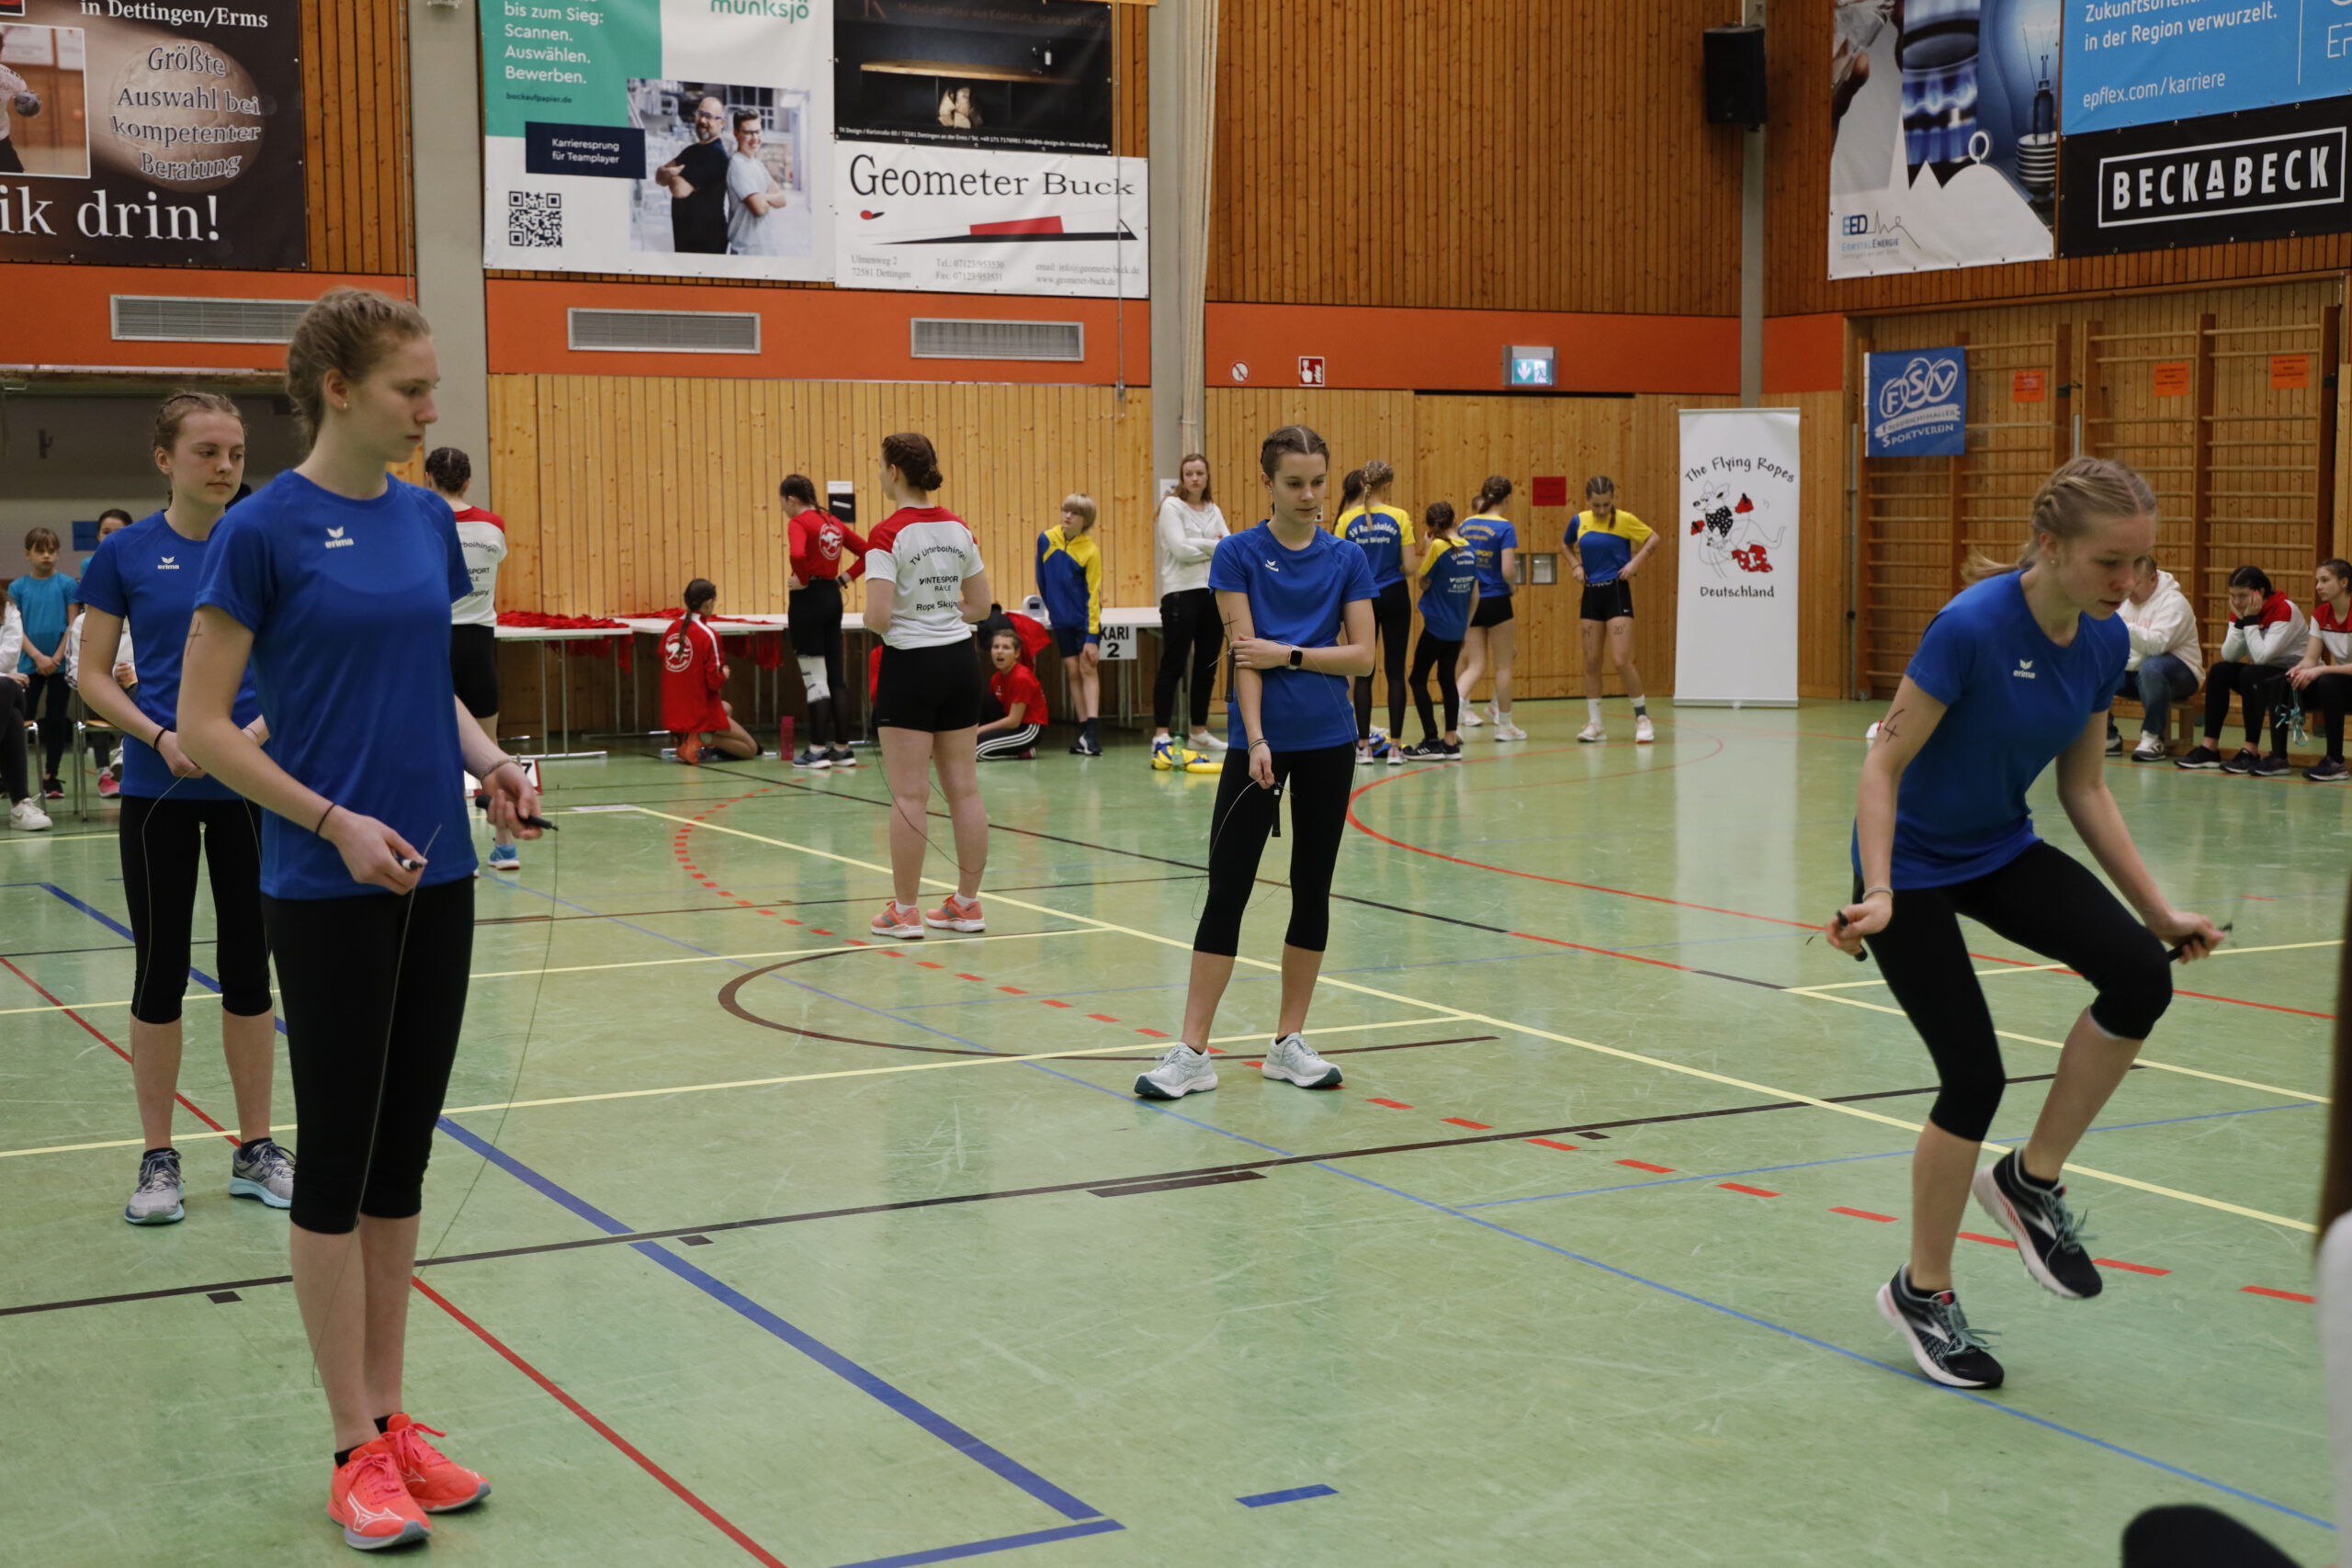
<point x="2071" y="502"/>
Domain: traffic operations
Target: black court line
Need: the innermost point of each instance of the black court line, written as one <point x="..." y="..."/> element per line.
<point x="1115" y="1185"/>
<point x="1128" y="1189"/>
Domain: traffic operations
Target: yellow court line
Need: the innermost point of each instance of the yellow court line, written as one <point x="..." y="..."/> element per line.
<point x="1767" y="1090"/>
<point x="595" y="968"/>
<point x="764" y="1083"/>
<point x="2052" y="968"/>
<point x="51" y="838"/>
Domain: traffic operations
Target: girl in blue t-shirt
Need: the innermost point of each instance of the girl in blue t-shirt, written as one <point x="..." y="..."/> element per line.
<point x="1297" y="609"/>
<point x="1491" y="638"/>
<point x="143" y="582"/>
<point x="333" y="583"/>
<point x="2013" y="674"/>
<point x="1449" y="578"/>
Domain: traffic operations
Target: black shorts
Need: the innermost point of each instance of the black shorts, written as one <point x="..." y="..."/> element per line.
<point x="473" y="668"/>
<point x="1606" y="601"/>
<point x="1492" y="612"/>
<point x="814" y="618"/>
<point x="1070" y="641"/>
<point x="934" y="689"/>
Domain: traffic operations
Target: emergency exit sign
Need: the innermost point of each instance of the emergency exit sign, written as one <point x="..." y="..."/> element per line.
<point x="1528" y="367"/>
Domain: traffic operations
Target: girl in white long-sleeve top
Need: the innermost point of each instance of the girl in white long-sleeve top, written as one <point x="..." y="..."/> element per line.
<point x="2166" y="662"/>
<point x="1183" y="537"/>
<point x="2267" y="635"/>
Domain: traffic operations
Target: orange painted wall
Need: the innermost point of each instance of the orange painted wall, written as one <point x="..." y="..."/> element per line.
<point x="59" y="315"/>
<point x="1433" y="349"/>
<point x="1803" y="354"/>
<point x="808" y="334"/>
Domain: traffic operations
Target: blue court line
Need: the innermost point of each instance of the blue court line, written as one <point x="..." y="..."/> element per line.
<point x="1850" y="1159"/>
<point x="199" y="975"/>
<point x="832" y="1360"/>
<point x="1296" y="1494"/>
<point x="981" y="1548"/>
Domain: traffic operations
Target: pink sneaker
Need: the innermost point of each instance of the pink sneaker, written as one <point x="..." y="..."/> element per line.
<point x="956" y="915"/>
<point x="366" y="1498"/>
<point x="108" y="788"/>
<point x="897" y="921"/>
<point x="436" y="1484"/>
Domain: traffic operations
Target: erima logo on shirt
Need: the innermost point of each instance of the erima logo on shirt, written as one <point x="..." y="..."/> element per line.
<point x="2024" y="672"/>
<point x="1271" y="566"/>
<point x="335" y="540"/>
<point x="168" y="563"/>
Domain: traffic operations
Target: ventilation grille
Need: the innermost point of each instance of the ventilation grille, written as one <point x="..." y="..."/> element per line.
<point x="144" y="317"/>
<point x="666" y="332"/>
<point x="940" y="338"/>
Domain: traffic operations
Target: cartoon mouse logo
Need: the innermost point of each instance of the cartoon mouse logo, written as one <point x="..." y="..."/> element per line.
<point x="1730" y="533"/>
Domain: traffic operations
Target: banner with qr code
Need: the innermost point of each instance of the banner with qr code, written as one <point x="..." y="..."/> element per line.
<point x="140" y="135"/>
<point x="674" y="138"/>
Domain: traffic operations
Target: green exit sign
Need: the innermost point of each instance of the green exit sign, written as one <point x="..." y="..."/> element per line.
<point x="1528" y="367"/>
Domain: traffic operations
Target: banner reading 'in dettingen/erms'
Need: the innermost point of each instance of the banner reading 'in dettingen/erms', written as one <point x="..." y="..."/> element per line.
<point x="679" y="138"/>
<point x="152" y="135"/>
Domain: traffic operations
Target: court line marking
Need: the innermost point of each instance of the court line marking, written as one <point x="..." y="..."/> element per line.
<point x="2059" y="1045"/>
<point x="2055" y="968"/>
<point x="51" y="838"/>
<point x="1767" y="1090"/>
<point x="632" y="963"/>
<point x="766" y="1083"/>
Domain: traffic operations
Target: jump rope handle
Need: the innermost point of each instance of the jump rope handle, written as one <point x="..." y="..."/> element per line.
<point x="1861" y="957"/>
<point x="2178" y="953"/>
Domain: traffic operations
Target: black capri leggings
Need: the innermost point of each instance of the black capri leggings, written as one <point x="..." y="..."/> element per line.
<point x="354" y="983"/>
<point x="2259" y="687"/>
<point x="1317" y="784"/>
<point x="1190" y="632"/>
<point x="1433" y="652"/>
<point x="162" y="840"/>
<point x="2047" y="902"/>
<point x="1392" y="627"/>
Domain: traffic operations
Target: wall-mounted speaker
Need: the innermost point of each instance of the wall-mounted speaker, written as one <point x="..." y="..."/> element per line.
<point x="1735" y="76"/>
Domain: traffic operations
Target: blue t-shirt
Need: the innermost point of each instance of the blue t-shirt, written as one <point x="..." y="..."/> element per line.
<point x="1298" y="597"/>
<point x="348" y="601"/>
<point x="1384" y="533"/>
<point x="146" y="575"/>
<point x="1447" y="578"/>
<point x="2013" y="701"/>
<point x="47" y="605"/>
<point x="1490" y="536"/>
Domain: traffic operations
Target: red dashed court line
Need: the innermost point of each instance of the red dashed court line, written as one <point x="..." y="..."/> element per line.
<point x="1465" y="1121"/>
<point x="1008" y="990"/>
<point x="1751" y="1191"/>
<point x="195" y="1110"/>
<point x="962" y="977"/>
<point x="1864" y="1215"/>
<point x="1101" y="1018"/>
<point x="2278" y="1295"/>
<point x="1568" y="1148"/>
<point x="1989" y="1240"/>
<point x="1052" y="1003"/>
<point x="1644" y="1165"/>
<point x="2133" y="1268"/>
<point x="1392" y="1104"/>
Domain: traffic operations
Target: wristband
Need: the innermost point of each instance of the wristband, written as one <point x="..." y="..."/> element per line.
<point x="157" y="744"/>
<point x="1267" y="744"/>
<point x="323" y="818"/>
<point x="1882" y="888"/>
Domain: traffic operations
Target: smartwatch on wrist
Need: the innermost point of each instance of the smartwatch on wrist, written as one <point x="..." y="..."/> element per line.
<point x="1298" y="657"/>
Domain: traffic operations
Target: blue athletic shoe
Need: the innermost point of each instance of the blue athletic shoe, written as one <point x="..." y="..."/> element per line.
<point x="505" y="857"/>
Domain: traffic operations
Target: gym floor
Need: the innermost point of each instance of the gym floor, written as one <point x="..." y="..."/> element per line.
<point x="750" y="1239"/>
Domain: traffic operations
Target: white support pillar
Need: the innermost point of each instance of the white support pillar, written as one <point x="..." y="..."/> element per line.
<point x="445" y="105"/>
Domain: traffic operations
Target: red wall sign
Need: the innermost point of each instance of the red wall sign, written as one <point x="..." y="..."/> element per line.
<point x="2027" y="386"/>
<point x="2171" y="379"/>
<point x="1310" y="370"/>
<point x="1551" y="490"/>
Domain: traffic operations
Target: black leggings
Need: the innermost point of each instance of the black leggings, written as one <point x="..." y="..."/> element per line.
<point x="161" y="838"/>
<point x="1188" y="626"/>
<point x="815" y="616"/>
<point x="1434" y="652"/>
<point x="56" y="717"/>
<point x="2046" y="902"/>
<point x="1318" y="783"/>
<point x="2259" y="687"/>
<point x="1392" y="626"/>
<point x="353" y="987"/>
<point x="13" y="781"/>
<point x="2329" y="696"/>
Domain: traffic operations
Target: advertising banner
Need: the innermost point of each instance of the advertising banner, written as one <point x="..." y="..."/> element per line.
<point x="1736" y="633"/>
<point x="153" y="135"/>
<point x="1916" y="403"/>
<point x="989" y="222"/>
<point x="678" y="137"/>
<point x="976" y="73"/>
<point x="2138" y="61"/>
<point x="1946" y="148"/>
<point x="2265" y="174"/>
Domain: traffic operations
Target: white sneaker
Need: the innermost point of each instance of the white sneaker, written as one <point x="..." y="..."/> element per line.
<point x="1470" y="720"/>
<point x="1293" y="1060"/>
<point x="27" y="816"/>
<point x="1181" y="1071"/>
<point x="2150" y="749"/>
<point x="1205" y="740"/>
<point x="1363" y="753"/>
<point x="1396" y="755"/>
<point x="1592" y="733"/>
<point x="1506" y="730"/>
<point x="1643" y="734"/>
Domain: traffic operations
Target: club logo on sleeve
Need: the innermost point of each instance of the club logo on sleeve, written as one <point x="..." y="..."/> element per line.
<point x="2024" y="672"/>
<point x="335" y="541"/>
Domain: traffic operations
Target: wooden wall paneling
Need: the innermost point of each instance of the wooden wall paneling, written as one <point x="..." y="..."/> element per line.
<point x="355" y="176"/>
<point x="1823" y="594"/>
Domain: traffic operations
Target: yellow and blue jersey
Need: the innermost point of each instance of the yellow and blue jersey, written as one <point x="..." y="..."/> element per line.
<point x="1605" y="547"/>
<point x="1489" y="536"/>
<point x="1449" y="577"/>
<point x="1385" y="533"/>
<point x="1069" y="579"/>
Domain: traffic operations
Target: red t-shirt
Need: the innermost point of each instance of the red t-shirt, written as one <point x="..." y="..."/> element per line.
<point x="817" y="544"/>
<point x="693" y="669"/>
<point x="1019" y="684"/>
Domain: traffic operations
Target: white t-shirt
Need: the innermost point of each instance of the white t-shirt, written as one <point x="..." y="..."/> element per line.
<point x="10" y="85"/>
<point x="926" y="553"/>
<point x="482" y="536"/>
<point x="748" y="233"/>
<point x="1182" y="541"/>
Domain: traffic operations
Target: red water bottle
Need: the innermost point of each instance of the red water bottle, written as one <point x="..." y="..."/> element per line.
<point x="787" y="738"/>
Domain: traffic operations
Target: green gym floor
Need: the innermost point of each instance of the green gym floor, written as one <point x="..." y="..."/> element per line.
<point x="748" y="1240"/>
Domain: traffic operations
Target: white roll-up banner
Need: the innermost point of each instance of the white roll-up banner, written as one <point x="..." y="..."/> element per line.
<point x="1735" y="635"/>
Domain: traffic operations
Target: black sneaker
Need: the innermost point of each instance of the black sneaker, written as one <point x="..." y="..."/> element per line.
<point x="1452" y="749"/>
<point x="2048" y="1236"/>
<point x="1931" y="1322"/>
<point x="53" y="788"/>
<point x="843" y="757"/>
<point x="2114" y="742"/>
<point x="813" y="756"/>
<point x="2199" y="757"/>
<point x="2274" y="766"/>
<point x="2244" y="762"/>
<point x="2328" y="770"/>
<point x="1082" y="747"/>
<point x="1426" y="752"/>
